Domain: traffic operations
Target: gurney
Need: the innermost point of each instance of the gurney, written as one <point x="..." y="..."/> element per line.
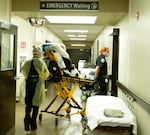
<point x="65" y="84"/>
<point x="108" y="115"/>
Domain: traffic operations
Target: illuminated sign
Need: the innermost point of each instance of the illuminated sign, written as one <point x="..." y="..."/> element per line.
<point x="51" y="5"/>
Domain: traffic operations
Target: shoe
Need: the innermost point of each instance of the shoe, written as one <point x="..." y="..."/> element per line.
<point x="26" y="125"/>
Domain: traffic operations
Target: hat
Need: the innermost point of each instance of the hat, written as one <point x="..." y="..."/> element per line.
<point x="36" y="50"/>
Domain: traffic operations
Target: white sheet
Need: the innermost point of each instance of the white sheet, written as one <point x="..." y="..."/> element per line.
<point x="87" y="73"/>
<point x="95" y="112"/>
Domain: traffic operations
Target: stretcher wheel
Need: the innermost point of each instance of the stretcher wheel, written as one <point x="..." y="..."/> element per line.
<point x="83" y="97"/>
<point x="40" y="117"/>
<point x="85" y="132"/>
<point x="93" y="93"/>
<point x="84" y="122"/>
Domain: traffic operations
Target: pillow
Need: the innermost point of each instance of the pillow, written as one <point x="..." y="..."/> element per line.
<point x="113" y="113"/>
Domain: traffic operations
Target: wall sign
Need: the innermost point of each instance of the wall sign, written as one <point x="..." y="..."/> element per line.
<point x="51" y="5"/>
<point x="23" y="44"/>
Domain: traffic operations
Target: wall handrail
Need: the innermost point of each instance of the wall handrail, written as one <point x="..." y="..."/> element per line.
<point x="139" y="99"/>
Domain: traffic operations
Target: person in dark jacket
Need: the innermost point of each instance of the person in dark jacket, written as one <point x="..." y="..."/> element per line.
<point x="101" y="71"/>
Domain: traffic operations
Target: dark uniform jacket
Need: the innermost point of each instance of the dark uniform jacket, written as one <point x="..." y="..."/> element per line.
<point x="101" y="62"/>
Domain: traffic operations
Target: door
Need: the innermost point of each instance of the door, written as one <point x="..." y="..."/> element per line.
<point x="8" y="40"/>
<point x="115" y="60"/>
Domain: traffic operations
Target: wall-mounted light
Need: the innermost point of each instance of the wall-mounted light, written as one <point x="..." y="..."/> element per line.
<point x="36" y="21"/>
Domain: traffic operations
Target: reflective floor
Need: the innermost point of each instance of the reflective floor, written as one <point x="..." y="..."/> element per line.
<point x="47" y="125"/>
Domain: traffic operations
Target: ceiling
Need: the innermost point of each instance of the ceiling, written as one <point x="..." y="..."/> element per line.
<point x="109" y="13"/>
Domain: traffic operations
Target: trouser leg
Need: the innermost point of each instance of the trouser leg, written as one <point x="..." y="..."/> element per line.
<point x="27" y="118"/>
<point x="34" y="117"/>
<point x="103" y="87"/>
<point x="27" y="112"/>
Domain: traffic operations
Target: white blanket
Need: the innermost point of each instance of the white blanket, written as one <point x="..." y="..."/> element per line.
<point x="87" y="73"/>
<point x="95" y="112"/>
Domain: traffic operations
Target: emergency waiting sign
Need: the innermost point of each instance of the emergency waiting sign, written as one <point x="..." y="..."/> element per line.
<point x="51" y="5"/>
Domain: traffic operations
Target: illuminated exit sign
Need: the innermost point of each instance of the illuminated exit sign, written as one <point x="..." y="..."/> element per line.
<point x="76" y="6"/>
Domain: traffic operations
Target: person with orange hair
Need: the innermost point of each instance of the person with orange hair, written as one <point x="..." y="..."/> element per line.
<point x="101" y="71"/>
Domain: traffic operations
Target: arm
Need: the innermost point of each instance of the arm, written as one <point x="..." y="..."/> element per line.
<point x="45" y="72"/>
<point x="97" y="71"/>
<point x="25" y="69"/>
<point x="41" y="68"/>
<point x="99" y="63"/>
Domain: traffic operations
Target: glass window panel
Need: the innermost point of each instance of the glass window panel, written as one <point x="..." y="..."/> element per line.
<point x="7" y="49"/>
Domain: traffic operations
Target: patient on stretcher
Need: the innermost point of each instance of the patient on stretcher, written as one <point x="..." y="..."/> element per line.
<point x="58" y="62"/>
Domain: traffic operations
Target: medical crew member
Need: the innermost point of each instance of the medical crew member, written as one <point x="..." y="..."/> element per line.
<point x="101" y="70"/>
<point x="35" y="72"/>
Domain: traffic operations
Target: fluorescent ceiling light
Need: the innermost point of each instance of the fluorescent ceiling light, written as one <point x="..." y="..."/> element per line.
<point x="77" y="38"/>
<point x="72" y="19"/>
<point x="82" y="35"/>
<point x="80" y="31"/>
<point x="78" y="44"/>
<point x="76" y="35"/>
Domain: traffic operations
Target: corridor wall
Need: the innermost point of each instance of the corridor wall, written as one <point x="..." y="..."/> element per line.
<point x="134" y="51"/>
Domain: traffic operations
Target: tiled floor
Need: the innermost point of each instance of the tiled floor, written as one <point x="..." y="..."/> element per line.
<point x="47" y="125"/>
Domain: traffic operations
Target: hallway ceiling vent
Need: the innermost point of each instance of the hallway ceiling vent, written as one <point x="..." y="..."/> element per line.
<point x="37" y="22"/>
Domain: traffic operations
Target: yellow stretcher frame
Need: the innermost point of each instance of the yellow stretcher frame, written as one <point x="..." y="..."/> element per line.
<point x="66" y="93"/>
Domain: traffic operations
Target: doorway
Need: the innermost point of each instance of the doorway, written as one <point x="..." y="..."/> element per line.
<point x="79" y="54"/>
<point x="8" y="49"/>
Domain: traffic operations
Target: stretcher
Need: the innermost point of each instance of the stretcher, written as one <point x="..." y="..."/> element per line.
<point x="65" y="85"/>
<point x="108" y="115"/>
<point x="66" y="94"/>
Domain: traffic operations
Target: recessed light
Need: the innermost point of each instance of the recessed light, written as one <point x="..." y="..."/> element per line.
<point x="76" y="35"/>
<point x="79" y="31"/>
<point x="77" y="38"/>
<point x="78" y="44"/>
<point x="72" y="19"/>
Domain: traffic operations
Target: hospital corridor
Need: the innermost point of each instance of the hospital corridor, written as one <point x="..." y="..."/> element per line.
<point x="74" y="67"/>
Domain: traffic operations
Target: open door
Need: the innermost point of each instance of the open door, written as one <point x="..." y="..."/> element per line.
<point x="8" y="41"/>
